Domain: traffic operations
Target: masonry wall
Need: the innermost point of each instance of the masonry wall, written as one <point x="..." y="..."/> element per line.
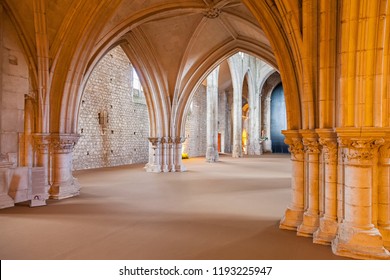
<point x="113" y="118"/>
<point x="14" y="85"/>
<point x="196" y="125"/>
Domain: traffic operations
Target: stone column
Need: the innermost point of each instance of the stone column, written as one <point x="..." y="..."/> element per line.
<point x="293" y="215"/>
<point x="328" y="222"/>
<point x="179" y="167"/>
<point x="42" y="148"/>
<point x="212" y="116"/>
<point x="384" y="193"/>
<point x="310" y="221"/>
<point x="171" y="157"/>
<point x="164" y="154"/>
<point x="237" y="123"/>
<point x="154" y="164"/>
<point x="63" y="184"/>
<point x="357" y="236"/>
<point x="266" y="124"/>
<point x="254" y="122"/>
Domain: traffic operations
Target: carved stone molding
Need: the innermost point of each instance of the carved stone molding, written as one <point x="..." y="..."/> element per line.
<point x="329" y="149"/>
<point x="155" y="141"/>
<point x="384" y="151"/>
<point x="179" y="139"/>
<point x="359" y="150"/>
<point x="295" y="146"/>
<point x="311" y="145"/>
<point x="63" y="143"/>
<point x="212" y="13"/>
<point x="42" y="142"/>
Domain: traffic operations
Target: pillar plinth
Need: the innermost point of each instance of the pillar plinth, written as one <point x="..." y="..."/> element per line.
<point x="40" y="192"/>
<point x="63" y="184"/>
<point x="5" y="200"/>
<point x="328" y="222"/>
<point x="154" y="164"/>
<point x="294" y="212"/>
<point x="310" y="221"/>
<point x="357" y="236"/>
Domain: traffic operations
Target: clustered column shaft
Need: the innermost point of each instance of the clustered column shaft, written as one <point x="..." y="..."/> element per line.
<point x="354" y="204"/>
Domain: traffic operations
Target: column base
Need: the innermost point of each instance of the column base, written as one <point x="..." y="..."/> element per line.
<point x="65" y="190"/>
<point x="359" y="243"/>
<point x="6" y="201"/>
<point x="155" y="168"/>
<point x="326" y="232"/>
<point x="291" y="220"/>
<point x="385" y="232"/>
<point x="38" y="201"/>
<point x="309" y="225"/>
<point x="165" y="168"/>
<point x="180" y="168"/>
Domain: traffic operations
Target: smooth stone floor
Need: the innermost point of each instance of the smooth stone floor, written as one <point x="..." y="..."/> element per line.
<point x="225" y="210"/>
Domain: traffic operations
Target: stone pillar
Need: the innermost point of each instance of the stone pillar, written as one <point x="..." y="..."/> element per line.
<point x="63" y="183"/>
<point x="212" y="116"/>
<point x="179" y="167"/>
<point x="357" y="236"/>
<point x="293" y="215"/>
<point x="154" y="164"/>
<point x="384" y="193"/>
<point x="254" y="122"/>
<point x="237" y="123"/>
<point x="266" y="124"/>
<point x="42" y="148"/>
<point x="164" y="154"/>
<point x="310" y="221"/>
<point x="328" y="222"/>
<point x="171" y="157"/>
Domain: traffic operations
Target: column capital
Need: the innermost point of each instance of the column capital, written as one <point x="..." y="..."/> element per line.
<point x="294" y="141"/>
<point x="42" y="142"/>
<point x="155" y="141"/>
<point x="63" y="143"/>
<point x="384" y="152"/>
<point x="311" y="145"/>
<point x="359" y="150"/>
<point x="329" y="149"/>
<point x="179" y="139"/>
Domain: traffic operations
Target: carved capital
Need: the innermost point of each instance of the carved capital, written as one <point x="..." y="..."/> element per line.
<point x="295" y="146"/>
<point x="42" y="142"/>
<point x="311" y="145"/>
<point x="360" y="150"/>
<point x="384" y="152"/>
<point x="63" y="143"/>
<point x="179" y="139"/>
<point x="155" y="141"/>
<point x="329" y="149"/>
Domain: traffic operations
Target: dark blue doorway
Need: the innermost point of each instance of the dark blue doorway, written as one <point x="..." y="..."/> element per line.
<point x="278" y="120"/>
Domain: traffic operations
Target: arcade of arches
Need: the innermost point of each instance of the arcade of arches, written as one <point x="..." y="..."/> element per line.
<point x="335" y="81"/>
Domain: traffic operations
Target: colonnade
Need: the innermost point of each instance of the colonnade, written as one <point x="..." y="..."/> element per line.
<point x="340" y="191"/>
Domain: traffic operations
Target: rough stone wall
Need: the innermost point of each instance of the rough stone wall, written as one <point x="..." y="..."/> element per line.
<point x="113" y="124"/>
<point x="196" y="125"/>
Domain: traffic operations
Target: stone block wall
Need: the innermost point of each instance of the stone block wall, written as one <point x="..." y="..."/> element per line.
<point x="14" y="85"/>
<point x="113" y="124"/>
<point x="196" y="125"/>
